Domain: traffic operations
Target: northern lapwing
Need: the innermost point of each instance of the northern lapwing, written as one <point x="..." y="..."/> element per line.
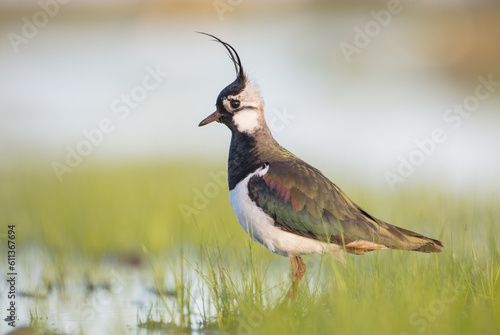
<point x="286" y="204"/>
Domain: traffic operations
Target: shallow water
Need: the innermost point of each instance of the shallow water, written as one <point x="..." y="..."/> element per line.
<point x="106" y="298"/>
<point x="111" y="296"/>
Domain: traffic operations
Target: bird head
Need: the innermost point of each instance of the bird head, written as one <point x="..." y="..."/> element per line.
<point x="239" y="105"/>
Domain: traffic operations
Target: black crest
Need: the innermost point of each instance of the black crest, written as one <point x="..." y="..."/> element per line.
<point x="240" y="74"/>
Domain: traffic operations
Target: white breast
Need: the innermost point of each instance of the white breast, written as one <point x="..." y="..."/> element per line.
<point x="260" y="226"/>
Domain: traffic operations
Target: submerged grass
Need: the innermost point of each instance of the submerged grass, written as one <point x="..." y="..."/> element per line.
<point x="209" y="275"/>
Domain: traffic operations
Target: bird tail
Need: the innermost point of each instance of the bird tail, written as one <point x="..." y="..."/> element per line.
<point x="393" y="237"/>
<point x="417" y="242"/>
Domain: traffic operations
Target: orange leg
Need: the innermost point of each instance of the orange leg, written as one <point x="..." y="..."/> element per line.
<point x="298" y="270"/>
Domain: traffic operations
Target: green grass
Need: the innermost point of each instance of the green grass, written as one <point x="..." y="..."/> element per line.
<point x="205" y="267"/>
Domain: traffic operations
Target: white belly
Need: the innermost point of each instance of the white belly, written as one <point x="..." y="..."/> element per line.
<point x="260" y="226"/>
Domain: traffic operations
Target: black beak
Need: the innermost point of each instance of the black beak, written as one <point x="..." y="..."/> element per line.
<point x="215" y="116"/>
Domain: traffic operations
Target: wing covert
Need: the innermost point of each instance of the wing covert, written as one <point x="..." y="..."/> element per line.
<point x="302" y="200"/>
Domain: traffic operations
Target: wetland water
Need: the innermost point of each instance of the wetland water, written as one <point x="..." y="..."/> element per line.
<point x="113" y="295"/>
<point x="76" y="296"/>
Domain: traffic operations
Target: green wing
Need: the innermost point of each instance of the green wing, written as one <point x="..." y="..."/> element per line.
<point x="303" y="201"/>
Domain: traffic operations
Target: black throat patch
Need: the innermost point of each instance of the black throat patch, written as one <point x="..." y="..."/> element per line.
<point x="243" y="158"/>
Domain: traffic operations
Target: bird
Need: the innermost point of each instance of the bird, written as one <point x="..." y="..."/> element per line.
<point x="286" y="204"/>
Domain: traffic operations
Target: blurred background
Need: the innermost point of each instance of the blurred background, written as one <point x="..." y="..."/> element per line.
<point x="102" y="164"/>
<point x="352" y="114"/>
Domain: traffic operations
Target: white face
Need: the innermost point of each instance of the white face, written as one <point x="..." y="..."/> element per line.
<point x="248" y="116"/>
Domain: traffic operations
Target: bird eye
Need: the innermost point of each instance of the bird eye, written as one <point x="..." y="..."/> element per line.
<point x="235" y="103"/>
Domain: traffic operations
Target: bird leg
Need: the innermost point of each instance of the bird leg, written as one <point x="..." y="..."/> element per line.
<point x="298" y="270"/>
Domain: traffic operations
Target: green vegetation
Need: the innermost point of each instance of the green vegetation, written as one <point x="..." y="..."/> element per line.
<point x="207" y="274"/>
